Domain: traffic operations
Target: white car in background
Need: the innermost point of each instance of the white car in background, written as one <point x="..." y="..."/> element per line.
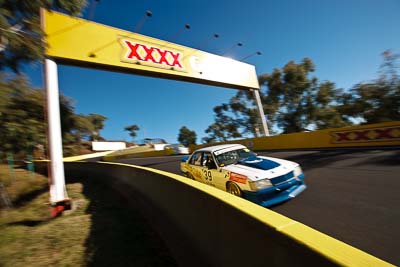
<point x="180" y="149"/>
<point x="157" y="143"/>
<point x="235" y="169"/>
<point x="160" y="144"/>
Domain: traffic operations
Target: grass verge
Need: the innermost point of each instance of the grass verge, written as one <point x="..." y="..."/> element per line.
<point x="99" y="231"/>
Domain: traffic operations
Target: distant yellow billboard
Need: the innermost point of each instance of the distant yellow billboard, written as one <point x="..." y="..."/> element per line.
<point x="386" y="134"/>
<point x="75" y="41"/>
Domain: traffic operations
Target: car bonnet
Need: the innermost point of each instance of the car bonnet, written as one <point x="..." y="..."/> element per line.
<point x="257" y="168"/>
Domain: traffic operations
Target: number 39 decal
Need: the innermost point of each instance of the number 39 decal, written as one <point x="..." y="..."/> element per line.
<point x="207" y="175"/>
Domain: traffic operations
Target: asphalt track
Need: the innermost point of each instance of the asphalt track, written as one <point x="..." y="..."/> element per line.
<point x="352" y="195"/>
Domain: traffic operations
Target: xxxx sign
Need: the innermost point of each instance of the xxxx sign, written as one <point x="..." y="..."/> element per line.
<point x="139" y="52"/>
<point x="367" y="135"/>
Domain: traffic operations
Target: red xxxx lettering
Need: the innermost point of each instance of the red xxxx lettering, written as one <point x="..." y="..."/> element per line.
<point x="163" y="59"/>
<point x="133" y="49"/>
<point x="149" y="55"/>
<point x="149" y="51"/>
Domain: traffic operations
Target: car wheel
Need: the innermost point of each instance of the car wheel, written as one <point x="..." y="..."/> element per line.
<point x="233" y="189"/>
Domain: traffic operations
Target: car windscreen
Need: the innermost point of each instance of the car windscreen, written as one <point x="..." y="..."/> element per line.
<point x="234" y="156"/>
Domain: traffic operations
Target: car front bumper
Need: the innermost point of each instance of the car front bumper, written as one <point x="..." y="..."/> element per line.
<point x="277" y="194"/>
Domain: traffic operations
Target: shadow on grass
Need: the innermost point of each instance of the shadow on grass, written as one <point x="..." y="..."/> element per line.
<point x="28" y="197"/>
<point x="29" y="223"/>
<point x="119" y="234"/>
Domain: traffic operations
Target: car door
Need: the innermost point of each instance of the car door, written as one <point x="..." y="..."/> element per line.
<point x="212" y="175"/>
<point x="195" y="166"/>
<point x="207" y="173"/>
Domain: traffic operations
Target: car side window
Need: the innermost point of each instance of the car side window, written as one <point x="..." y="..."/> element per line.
<point x="196" y="159"/>
<point x="207" y="158"/>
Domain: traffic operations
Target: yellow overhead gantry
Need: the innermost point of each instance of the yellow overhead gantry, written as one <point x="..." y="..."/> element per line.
<point x="78" y="42"/>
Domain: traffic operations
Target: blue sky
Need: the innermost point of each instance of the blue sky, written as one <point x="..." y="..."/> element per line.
<point x="344" y="38"/>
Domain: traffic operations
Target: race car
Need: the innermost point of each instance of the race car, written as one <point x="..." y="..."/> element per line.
<point x="237" y="170"/>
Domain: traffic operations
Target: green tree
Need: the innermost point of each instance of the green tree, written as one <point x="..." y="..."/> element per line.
<point x="132" y="129"/>
<point x="97" y="122"/>
<point x="327" y="107"/>
<point x="225" y="126"/>
<point x="378" y="100"/>
<point x="295" y="96"/>
<point x="21" y="106"/>
<point x="187" y="137"/>
<point x="295" y="101"/>
<point x="21" y="35"/>
<point x="292" y="101"/>
<point x="288" y="98"/>
<point x="21" y="119"/>
<point x="83" y="128"/>
<point x="5" y="92"/>
<point x="22" y="122"/>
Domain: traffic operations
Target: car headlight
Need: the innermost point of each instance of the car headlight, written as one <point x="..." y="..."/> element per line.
<point x="260" y="184"/>
<point x="297" y="171"/>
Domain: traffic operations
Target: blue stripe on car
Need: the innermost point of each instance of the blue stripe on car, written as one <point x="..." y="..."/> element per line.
<point x="259" y="163"/>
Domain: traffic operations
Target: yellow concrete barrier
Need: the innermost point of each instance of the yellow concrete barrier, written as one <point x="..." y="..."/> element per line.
<point x="87" y="156"/>
<point x="116" y="155"/>
<point x="372" y="135"/>
<point x="204" y="226"/>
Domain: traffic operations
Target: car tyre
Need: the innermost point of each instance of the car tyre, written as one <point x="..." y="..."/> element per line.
<point x="233" y="189"/>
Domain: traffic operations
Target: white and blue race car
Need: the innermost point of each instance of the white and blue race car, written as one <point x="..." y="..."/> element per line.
<point x="237" y="170"/>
